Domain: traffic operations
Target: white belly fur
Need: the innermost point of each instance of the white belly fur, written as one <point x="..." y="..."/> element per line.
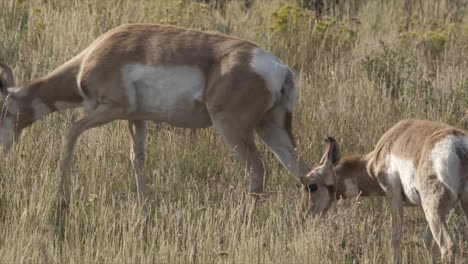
<point x="167" y="94"/>
<point x="402" y="171"/>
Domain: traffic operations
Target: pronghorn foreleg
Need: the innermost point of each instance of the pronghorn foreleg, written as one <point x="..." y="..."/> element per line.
<point x="394" y="196"/>
<point x="242" y="142"/>
<point x="138" y="133"/>
<point x="429" y="244"/>
<point x="101" y="115"/>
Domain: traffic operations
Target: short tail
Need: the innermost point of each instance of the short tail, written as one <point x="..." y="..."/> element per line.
<point x="289" y="97"/>
<point x="289" y="93"/>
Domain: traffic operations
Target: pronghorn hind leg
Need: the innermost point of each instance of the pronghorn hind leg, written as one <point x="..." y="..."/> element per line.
<point x="236" y="117"/>
<point x="464" y="204"/>
<point x="429" y="244"/>
<point x="242" y="142"/>
<point x="394" y="195"/>
<point x="101" y="115"/>
<point x="437" y="201"/>
<point x="248" y="156"/>
<point x="138" y="133"/>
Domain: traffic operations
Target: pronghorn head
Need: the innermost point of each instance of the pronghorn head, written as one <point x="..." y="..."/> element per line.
<point x="319" y="186"/>
<point x="9" y="108"/>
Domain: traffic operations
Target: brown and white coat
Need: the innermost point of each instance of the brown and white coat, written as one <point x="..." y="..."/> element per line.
<point x="183" y="77"/>
<point x="416" y="162"/>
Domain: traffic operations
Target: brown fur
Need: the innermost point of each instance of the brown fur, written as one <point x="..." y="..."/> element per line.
<point x="414" y="140"/>
<point x="354" y="167"/>
<point x="148" y="44"/>
<point x="411" y="140"/>
<point x="407" y="140"/>
<point x="236" y="98"/>
<point x="58" y="86"/>
<point x="350" y="168"/>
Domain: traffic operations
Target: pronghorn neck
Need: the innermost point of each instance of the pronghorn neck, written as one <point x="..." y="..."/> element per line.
<point x="54" y="92"/>
<point x="353" y="178"/>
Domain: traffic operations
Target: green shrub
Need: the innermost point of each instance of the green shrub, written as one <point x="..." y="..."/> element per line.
<point x="396" y="72"/>
<point x="435" y="41"/>
<point x="299" y="29"/>
<point x="434" y="38"/>
<point x="288" y="17"/>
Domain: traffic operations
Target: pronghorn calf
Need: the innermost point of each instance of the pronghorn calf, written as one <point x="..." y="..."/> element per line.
<point x="183" y="77"/>
<point x="416" y="162"/>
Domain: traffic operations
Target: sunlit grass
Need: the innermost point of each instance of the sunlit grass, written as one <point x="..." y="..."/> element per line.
<point x="195" y="185"/>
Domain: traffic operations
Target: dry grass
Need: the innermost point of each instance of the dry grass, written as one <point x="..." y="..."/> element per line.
<point x="357" y="77"/>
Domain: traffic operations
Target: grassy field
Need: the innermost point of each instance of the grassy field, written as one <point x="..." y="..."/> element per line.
<point x="359" y="71"/>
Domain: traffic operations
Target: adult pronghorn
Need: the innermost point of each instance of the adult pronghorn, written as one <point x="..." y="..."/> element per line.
<point x="184" y="77"/>
<point x="416" y="162"/>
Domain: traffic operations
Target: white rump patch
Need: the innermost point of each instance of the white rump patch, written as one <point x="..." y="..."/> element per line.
<point x="351" y="188"/>
<point x="402" y="171"/>
<point x="271" y="69"/>
<point x="446" y="162"/>
<point x="171" y="94"/>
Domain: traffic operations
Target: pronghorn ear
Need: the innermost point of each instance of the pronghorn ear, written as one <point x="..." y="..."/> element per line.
<point x="7" y="79"/>
<point x="3" y="87"/>
<point x="332" y="153"/>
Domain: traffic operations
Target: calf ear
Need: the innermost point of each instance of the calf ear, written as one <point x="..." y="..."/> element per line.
<point x="330" y="158"/>
<point x="333" y="153"/>
<point x="7" y="79"/>
<point x="3" y="87"/>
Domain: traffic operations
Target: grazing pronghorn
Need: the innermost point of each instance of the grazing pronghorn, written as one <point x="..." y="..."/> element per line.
<point x="183" y="77"/>
<point x="416" y="162"/>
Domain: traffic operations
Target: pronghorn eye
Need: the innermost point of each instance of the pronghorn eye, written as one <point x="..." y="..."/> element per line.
<point x="331" y="188"/>
<point x="312" y="187"/>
